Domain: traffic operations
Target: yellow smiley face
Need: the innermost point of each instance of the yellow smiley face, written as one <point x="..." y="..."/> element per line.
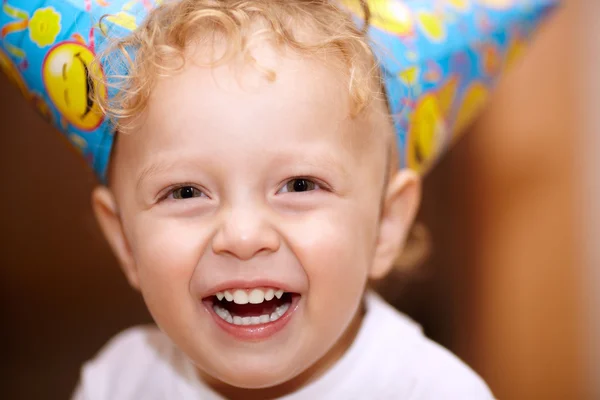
<point x="12" y="72"/>
<point x="391" y="16"/>
<point x="426" y="134"/>
<point x="68" y="73"/>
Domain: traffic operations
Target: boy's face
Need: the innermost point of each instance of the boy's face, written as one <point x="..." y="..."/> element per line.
<point x="234" y="183"/>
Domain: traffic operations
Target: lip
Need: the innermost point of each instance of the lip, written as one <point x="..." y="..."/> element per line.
<point x="254" y="333"/>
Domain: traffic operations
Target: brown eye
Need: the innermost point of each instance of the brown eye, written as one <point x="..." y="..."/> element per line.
<point x="186" y="192"/>
<point x="299" y="185"/>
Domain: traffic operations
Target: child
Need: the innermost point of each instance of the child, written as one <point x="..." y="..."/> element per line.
<point x="254" y="190"/>
<point x="252" y="195"/>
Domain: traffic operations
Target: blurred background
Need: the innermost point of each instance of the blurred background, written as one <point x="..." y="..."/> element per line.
<point x="513" y="210"/>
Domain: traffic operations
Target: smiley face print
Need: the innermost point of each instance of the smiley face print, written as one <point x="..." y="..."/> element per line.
<point x="68" y="77"/>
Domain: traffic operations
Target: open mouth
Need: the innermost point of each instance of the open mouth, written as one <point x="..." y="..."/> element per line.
<point x="252" y="307"/>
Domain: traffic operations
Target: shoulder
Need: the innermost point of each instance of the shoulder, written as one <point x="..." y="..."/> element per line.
<point x="126" y="364"/>
<point x="443" y="375"/>
<point x="142" y="341"/>
<point x="428" y="370"/>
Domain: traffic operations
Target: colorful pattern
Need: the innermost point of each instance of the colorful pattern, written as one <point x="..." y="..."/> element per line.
<point x="439" y="60"/>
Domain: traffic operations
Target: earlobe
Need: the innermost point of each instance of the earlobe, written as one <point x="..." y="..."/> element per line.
<point x="106" y="211"/>
<point x="398" y="212"/>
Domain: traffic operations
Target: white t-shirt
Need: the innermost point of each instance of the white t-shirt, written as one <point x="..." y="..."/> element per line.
<point x="396" y="362"/>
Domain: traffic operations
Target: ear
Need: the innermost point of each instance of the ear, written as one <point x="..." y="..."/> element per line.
<point x="399" y="209"/>
<point x="106" y="210"/>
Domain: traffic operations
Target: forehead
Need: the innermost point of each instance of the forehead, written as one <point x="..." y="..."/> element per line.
<point x="235" y="107"/>
<point x="300" y="91"/>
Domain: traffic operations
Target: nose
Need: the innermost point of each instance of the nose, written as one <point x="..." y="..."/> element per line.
<point x="245" y="232"/>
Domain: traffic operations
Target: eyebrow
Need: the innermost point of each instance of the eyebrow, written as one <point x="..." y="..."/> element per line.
<point x="328" y="162"/>
<point x="152" y="169"/>
<point x="314" y="161"/>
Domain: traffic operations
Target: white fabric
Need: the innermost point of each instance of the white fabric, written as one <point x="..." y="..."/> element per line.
<point x="389" y="359"/>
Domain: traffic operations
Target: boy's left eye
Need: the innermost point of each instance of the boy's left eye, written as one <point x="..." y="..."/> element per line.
<point x="185" y="192"/>
<point x="299" y="185"/>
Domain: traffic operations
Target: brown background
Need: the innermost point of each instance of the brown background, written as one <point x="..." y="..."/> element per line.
<point x="501" y="288"/>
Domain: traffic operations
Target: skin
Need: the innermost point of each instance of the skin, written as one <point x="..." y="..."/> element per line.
<point x="239" y="139"/>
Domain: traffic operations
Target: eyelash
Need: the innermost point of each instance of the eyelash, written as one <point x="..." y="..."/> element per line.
<point x="170" y="195"/>
<point x="316" y="185"/>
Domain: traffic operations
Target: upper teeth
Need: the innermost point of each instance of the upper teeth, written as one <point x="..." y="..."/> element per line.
<point x="253" y="296"/>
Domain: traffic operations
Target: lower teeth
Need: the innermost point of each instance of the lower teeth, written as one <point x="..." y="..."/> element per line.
<point x="262" y="319"/>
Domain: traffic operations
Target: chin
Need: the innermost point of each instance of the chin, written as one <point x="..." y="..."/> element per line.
<point x="250" y="375"/>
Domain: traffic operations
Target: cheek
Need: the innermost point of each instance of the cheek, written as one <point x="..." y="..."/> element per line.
<point x="166" y="253"/>
<point x="335" y="250"/>
<point x="332" y="248"/>
<point x="166" y="246"/>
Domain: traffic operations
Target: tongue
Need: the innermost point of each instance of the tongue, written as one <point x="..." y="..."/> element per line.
<point x="253" y="310"/>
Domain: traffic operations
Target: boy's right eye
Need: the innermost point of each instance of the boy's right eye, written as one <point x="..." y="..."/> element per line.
<point x="185" y="192"/>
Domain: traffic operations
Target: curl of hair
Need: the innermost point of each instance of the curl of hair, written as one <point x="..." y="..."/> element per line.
<point x="158" y="47"/>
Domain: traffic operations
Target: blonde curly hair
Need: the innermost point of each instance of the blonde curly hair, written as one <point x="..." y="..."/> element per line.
<point x="158" y="47"/>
